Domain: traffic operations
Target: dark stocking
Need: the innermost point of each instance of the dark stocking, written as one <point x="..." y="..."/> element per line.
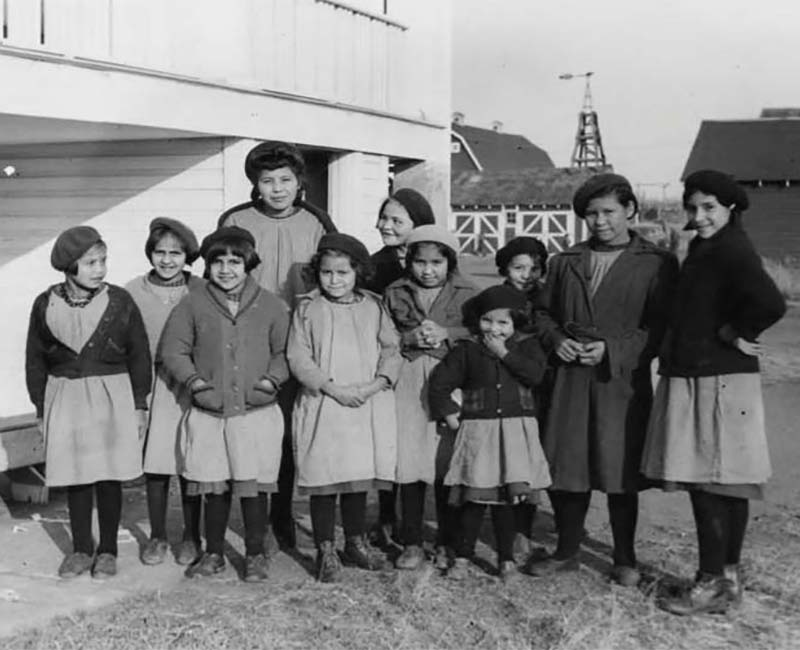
<point x="710" y="517"/>
<point x="412" y="502"/>
<point x="254" y="511"/>
<point x="157" y="488"/>
<point x="191" y="505"/>
<point x="623" y="511"/>
<point x="323" y="517"/>
<point x="218" y="509"/>
<point x="386" y="506"/>
<point x="79" y="503"/>
<point x="109" y="512"/>
<point x="470" y="519"/>
<point x="503" y="521"/>
<point x="524" y="514"/>
<point x="354" y="513"/>
<point x="569" y="510"/>
<point x="446" y="516"/>
<point x="738" y="514"/>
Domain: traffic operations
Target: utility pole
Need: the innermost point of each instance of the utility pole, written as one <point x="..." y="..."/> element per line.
<point x="588" y="151"/>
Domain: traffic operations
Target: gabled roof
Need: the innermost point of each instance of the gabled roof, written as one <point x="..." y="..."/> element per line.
<point x="498" y="151"/>
<point x="766" y="149"/>
<point x="551" y="186"/>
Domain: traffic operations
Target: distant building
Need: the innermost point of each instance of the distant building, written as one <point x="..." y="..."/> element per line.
<point x="764" y="156"/>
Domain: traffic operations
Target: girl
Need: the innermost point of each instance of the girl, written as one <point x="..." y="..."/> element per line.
<point x="287" y="230"/>
<point x="226" y="343"/>
<point x="399" y="214"/>
<point x="343" y="349"/>
<point x="169" y="247"/>
<point x="601" y="312"/>
<point x="426" y="307"/>
<point x="88" y="374"/>
<point x="706" y="432"/>
<point x="497" y="458"/>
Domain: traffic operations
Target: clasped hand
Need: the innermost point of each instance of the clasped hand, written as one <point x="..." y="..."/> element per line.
<point x="429" y="334"/>
<point x="586" y="354"/>
<point x="354" y="395"/>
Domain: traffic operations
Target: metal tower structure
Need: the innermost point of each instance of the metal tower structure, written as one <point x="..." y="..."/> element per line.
<point x="588" y="151"/>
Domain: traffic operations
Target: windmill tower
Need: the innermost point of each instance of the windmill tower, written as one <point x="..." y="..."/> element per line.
<point x="588" y="151"/>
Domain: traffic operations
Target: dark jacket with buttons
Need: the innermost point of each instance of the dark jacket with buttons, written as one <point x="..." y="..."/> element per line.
<point x="231" y="353"/>
<point x="723" y="293"/>
<point x="491" y="387"/>
<point x="118" y="345"/>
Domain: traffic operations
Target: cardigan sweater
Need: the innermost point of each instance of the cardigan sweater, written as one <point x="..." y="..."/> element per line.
<point x="723" y="293"/>
<point x="231" y="353"/>
<point x="118" y="345"/>
<point x="387" y="269"/>
<point x="404" y="306"/>
<point x="492" y="388"/>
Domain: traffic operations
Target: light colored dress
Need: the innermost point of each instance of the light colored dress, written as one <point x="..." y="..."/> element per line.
<point x="338" y="448"/>
<point x="90" y="424"/>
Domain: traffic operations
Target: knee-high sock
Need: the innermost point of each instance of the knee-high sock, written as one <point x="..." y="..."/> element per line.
<point x="218" y="510"/>
<point x="157" y="488"/>
<point x="738" y="514"/>
<point x="354" y="513"/>
<point x="412" y="503"/>
<point x="192" y="506"/>
<point x="446" y="516"/>
<point x="470" y="520"/>
<point x="80" y="499"/>
<point x="254" y="511"/>
<point x="109" y="512"/>
<point x="711" y="520"/>
<point x="623" y="512"/>
<point x="323" y="517"/>
<point x="503" y="521"/>
<point x="569" y="509"/>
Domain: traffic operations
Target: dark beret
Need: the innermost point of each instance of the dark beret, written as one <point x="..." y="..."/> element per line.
<point x="338" y="241"/>
<point x="226" y="234"/>
<point x="417" y="206"/>
<point x="267" y="152"/>
<point x="521" y="246"/>
<point x="500" y="296"/>
<point x="181" y="231"/>
<point x="71" y="245"/>
<point x="721" y="185"/>
<point x="600" y="185"/>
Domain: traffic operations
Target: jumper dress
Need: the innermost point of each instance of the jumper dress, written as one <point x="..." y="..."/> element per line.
<point x="90" y="424"/>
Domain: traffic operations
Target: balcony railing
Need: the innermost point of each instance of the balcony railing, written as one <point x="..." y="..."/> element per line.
<point x="328" y="50"/>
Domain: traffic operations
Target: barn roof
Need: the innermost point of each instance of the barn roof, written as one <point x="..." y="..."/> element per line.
<point x="765" y="149"/>
<point x="522" y="186"/>
<point x="498" y="151"/>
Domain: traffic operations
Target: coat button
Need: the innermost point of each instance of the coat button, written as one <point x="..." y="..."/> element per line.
<point x="499" y="386"/>
<point x="235" y="389"/>
<point x="499" y="411"/>
<point x="236" y="367"/>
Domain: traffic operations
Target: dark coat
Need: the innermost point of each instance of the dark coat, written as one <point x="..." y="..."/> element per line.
<point x="386" y="267"/>
<point x="231" y="353"/>
<point x="118" y="345"/>
<point x="492" y="388"/>
<point x="598" y="415"/>
<point x="723" y="293"/>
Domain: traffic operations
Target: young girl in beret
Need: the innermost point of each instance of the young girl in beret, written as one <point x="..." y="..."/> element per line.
<point x="426" y="306"/>
<point x="225" y="342"/>
<point x="497" y="459"/>
<point x="170" y="246"/>
<point x="399" y="214"/>
<point x="88" y="373"/>
<point x="343" y="349"/>
<point x="286" y="229"/>
<point x="601" y="313"/>
<point x="706" y="432"/>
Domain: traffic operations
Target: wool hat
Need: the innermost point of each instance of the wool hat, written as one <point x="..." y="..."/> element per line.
<point x="721" y="185"/>
<point x="500" y="296"/>
<point x="417" y="206"/>
<point x="71" y="245"/>
<point x="521" y="246"/>
<point x="180" y="230"/>
<point x="432" y="233"/>
<point x="338" y="241"/>
<point x="253" y="162"/>
<point x="600" y="185"/>
<point x="226" y="234"/>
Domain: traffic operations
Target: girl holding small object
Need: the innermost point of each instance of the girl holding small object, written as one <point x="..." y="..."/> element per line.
<point x="170" y="246"/>
<point x="426" y="305"/>
<point x="344" y="350"/>
<point x="226" y="344"/>
<point x="706" y="432"/>
<point x="497" y="460"/>
<point x="88" y="372"/>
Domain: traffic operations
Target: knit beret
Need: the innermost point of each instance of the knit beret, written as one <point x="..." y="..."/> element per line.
<point x="338" y="241"/>
<point x="432" y="233"/>
<point x="600" y="185"/>
<point x="721" y="185"/>
<point x="180" y="230"/>
<point x="71" y="245"/>
<point x="500" y="296"/>
<point x="226" y="234"/>
<point x="417" y="206"/>
<point x="521" y="246"/>
<point x="270" y="151"/>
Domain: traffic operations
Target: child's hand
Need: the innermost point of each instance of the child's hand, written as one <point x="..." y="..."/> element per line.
<point x="593" y="353"/>
<point x="267" y="386"/>
<point x="141" y="423"/>
<point x="569" y="350"/>
<point x="370" y="388"/>
<point x="434" y="333"/>
<point x="198" y="384"/>
<point x="349" y="396"/>
<point x="452" y="421"/>
<point x="419" y="338"/>
<point x="496" y="345"/>
<point x="749" y="348"/>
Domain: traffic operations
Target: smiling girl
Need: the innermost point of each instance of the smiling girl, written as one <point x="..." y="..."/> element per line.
<point x="88" y="373"/>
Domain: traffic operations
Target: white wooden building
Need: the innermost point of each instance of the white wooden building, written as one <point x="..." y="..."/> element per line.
<point x="116" y="111"/>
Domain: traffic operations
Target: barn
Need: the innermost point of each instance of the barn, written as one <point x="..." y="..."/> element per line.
<point x="764" y="156"/>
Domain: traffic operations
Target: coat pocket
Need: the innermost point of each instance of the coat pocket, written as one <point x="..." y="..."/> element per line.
<point x="207" y="398"/>
<point x="260" y="396"/>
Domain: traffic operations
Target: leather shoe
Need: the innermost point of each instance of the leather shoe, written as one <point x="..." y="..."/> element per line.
<point x="709" y="595"/>
<point x="551" y="565"/>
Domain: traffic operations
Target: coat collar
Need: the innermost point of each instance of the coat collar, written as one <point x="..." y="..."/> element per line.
<point x="637" y="245"/>
<point x="248" y="296"/>
<point x="456" y="280"/>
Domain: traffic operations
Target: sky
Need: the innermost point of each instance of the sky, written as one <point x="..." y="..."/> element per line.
<point x="660" y="68"/>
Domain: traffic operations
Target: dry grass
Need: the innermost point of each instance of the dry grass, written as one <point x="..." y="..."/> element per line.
<point x="786" y="276"/>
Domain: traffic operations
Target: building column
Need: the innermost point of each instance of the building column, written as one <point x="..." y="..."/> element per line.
<point x="357" y="185"/>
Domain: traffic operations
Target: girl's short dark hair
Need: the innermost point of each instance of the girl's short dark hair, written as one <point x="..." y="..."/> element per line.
<point x="447" y="252"/>
<point x="233" y="246"/>
<point x="622" y="192"/>
<point x="520" y="318"/>
<point x="273" y="156"/>
<point x="364" y="270"/>
<point x="157" y="234"/>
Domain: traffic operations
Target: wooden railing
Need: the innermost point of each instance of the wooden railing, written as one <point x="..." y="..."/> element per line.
<point x="333" y="51"/>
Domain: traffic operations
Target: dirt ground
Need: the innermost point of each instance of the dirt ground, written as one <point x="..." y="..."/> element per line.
<point x="156" y="607"/>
